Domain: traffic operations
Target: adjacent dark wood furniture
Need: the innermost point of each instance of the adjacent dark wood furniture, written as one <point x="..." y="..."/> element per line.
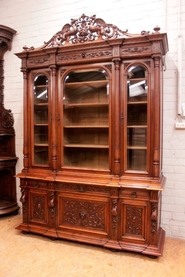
<point x="93" y="136"/>
<point x="8" y="159"/>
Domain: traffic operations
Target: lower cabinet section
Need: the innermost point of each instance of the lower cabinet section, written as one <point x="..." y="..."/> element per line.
<point x="113" y="217"/>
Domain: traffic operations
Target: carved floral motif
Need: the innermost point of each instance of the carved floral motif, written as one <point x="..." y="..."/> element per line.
<point x="87" y="29"/>
<point x="83" y="213"/>
<point x="83" y="29"/>
<point x="135" y="50"/>
<point x="38" y="207"/>
<point x="82" y="188"/>
<point x="133" y="220"/>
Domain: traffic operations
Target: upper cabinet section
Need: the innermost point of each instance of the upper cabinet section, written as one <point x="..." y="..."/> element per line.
<point x="92" y="97"/>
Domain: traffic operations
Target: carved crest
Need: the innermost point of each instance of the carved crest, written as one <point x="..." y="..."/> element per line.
<point x="86" y="28"/>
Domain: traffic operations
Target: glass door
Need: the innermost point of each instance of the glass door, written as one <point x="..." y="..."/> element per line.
<point x="86" y="119"/>
<point x="40" y="128"/>
<point x="137" y="119"/>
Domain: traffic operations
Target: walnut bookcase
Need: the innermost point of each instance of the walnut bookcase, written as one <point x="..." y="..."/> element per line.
<point x="93" y="136"/>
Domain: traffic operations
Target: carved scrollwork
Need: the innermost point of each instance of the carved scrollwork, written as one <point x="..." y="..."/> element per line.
<point x="85" y="28"/>
<point x="7" y="119"/>
<point x="51" y="204"/>
<point x="84" y="213"/>
<point x="134" y="220"/>
<point x="23" y="201"/>
<point x="38" y="207"/>
<point x="154" y="218"/>
<point x="23" y="196"/>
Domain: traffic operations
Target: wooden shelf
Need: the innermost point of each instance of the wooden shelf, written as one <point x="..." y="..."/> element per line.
<point x="41" y="124"/>
<point x="86" y="126"/>
<point x="137" y="126"/>
<point x="137" y="147"/>
<point x="86" y="105"/>
<point x="41" y="144"/>
<point x="137" y="102"/>
<point x="91" y="84"/>
<point x="86" y="146"/>
<point x="40" y="105"/>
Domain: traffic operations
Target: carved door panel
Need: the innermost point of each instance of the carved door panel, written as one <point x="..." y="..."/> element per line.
<point x="83" y="217"/>
<point x="134" y="220"/>
<point x="38" y="206"/>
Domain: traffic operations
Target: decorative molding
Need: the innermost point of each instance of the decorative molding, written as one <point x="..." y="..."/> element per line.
<point x="38" y="60"/>
<point x="133" y="50"/>
<point x="82" y="188"/>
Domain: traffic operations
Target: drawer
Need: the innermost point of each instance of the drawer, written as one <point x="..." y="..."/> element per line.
<point x="38" y="184"/>
<point x="135" y="193"/>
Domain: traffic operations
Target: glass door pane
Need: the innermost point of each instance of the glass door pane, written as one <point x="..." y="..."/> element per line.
<point x="86" y="119"/>
<point x="41" y="120"/>
<point x="137" y="109"/>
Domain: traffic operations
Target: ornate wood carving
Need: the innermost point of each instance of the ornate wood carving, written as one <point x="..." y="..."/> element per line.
<point x="154" y="218"/>
<point x="82" y="188"/>
<point x="135" y="50"/>
<point x="88" y="29"/>
<point x="38" y="207"/>
<point x="51" y="204"/>
<point x="83" y="213"/>
<point x="133" y="220"/>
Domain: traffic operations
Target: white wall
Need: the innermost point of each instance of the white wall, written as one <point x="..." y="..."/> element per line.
<point x="37" y="21"/>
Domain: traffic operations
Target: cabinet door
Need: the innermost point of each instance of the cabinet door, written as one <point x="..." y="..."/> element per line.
<point x="85" y="130"/>
<point x="134" y="211"/>
<point x="40" y="122"/>
<point x="38" y="208"/>
<point x="135" y="131"/>
<point x="82" y="217"/>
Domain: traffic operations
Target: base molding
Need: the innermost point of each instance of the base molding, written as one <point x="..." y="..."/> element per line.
<point x="150" y="250"/>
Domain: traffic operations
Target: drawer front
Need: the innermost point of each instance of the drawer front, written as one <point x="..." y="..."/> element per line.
<point x="134" y="194"/>
<point x="83" y="188"/>
<point x="38" y="184"/>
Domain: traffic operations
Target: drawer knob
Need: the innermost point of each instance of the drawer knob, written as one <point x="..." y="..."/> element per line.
<point x="133" y="194"/>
